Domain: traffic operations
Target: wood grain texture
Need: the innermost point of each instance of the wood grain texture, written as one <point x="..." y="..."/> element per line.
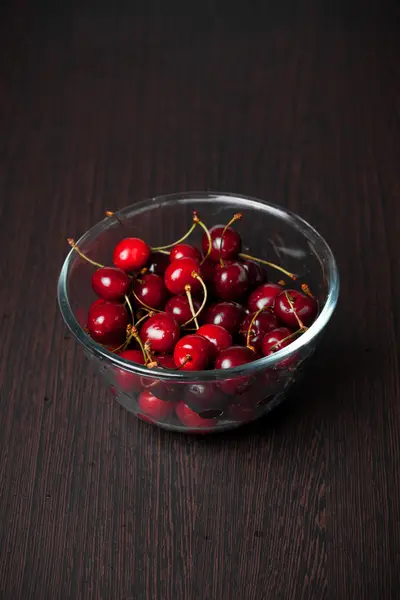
<point x="102" y="104"/>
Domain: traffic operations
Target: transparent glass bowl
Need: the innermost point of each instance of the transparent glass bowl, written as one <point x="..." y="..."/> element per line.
<point x="224" y="398"/>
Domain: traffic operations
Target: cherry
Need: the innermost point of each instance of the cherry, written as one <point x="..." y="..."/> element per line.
<point x="231" y="281"/>
<point x="179" y="274"/>
<point x="193" y="353"/>
<point x="217" y="335"/>
<point x="150" y="290"/>
<point x="263" y="322"/>
<point x="162" y="331"/>
<point x="158" y="263"/>
<point x="163" y="389"/>
<point x="256" y="274"/>
<point x="227" y="314"/>
<point x="184" y="251"/>
<point x="303" y="306"/>
<point x="242" y="413"/>
<point x="154" y="407"/>
<point x="130" y="382"/>
<point x="110" y="283"/>
<point x="107" y="322"/>
<point x="190" y="418"/>
<point x="131" y="254"/>
<point x="235" y="356"/>
<point x="207" y="270"/>
<point x="272" y="341"/>
<point x="179" y="307"/>
<point x="231" y="243"/>
<point x="206" y="400"/>
<point x="263" y="296"/>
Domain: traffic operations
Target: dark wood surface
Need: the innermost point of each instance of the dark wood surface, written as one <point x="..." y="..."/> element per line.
<point x="102" y="104"/>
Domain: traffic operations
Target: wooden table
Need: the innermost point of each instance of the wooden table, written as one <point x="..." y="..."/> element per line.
<point x="102" y="104"/>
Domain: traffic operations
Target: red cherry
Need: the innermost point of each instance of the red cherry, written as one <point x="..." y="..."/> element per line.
<point x="179" y="274"/>
<point x="154" y="407"/>
<point x="131" y="254"/>
<point x="189" y="418"/>
<point x="263" y="296"/>
<point x="263" y="323"/>
<point x="273" y="340"/>
<point x="184" y="251"/>
<point x="231" y="244"/>
<point x="162" y="331"/>
<point x="107" y="322"/>
<point x="207" y="270"/>
<point x="110" y="283"/>
<point x="198" y="348"/>
<point x="164" y="390"/>
<point x="235" y="356"/>
<point x="217" y="335"/>
<point x="305" y="307"/>
<point x="227" y="314"/>
<point x="178" y="306"/>
<point x="256" y="273"/>
<point x="231" y="281"/>
<point x="130" y="382"/>
<point x="158" y="263"/>
<point x="206" y="399"/>
<point x="150" y="289"/>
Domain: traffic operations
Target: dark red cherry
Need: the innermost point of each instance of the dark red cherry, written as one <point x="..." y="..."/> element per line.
<point x="155" y="407"/>
<point x="163" y="389"/>
<point x="131" y="254"/>
<point x="272" y="341"/>
<point x="206" y="399"/>
<point x="263" y="296"/>
<point x="126" y="381"/>
<point x="305" y="307"/>
<point x="151" y="290"/>
<point x="184" y="251"/>
<point x="191" y="419"/>
<point x="110" y="283"/>
<point x="158" y="263"/>
<point x="198" y="348"/>
<point x="231" y="244"/>
<point x="217" y="335"/>
<point x="231" y="281"/>
<point x="235" y="356"/>
<point x="263" y="323"/>
<point x="207" y="270"/>
<point x="107" y="322"/>
<point x="256" y="273"/>
<point x="227" y="314"/>
<point x="179" y="274"/>
<point x="178" y="306"/>
<point x="162" y="331"/>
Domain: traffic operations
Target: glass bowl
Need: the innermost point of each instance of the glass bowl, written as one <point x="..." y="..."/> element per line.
<point x="221" y="399"/>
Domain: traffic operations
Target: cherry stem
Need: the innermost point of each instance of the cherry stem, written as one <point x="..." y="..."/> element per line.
<point x="290" y="301"/>
<point x="182" y="239"/>
<point x="203" y="285"/>
<point x="235" y="217"/>
<point x="144" y="304"/>
<point x="307" y="290"/>
<point x="190" y="300"/>
<point x="130" y="308"/>
<point x="148" y="314"/>
<point x="269" y="264"/>
<point x="110" y="213"/>
<point x="288" y="337"/>
<point x="197" y="220"/>
<point x="149" y="354"/>
<point x="136" y="335"/>
<point x="71" y="242"/>
<point x="250" y="327"/>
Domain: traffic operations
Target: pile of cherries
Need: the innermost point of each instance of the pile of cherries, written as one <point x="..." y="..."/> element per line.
<point x="177" y="307"/>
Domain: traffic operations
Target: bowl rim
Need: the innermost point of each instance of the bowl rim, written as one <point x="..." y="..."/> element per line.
<point x="212" y="374"/>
